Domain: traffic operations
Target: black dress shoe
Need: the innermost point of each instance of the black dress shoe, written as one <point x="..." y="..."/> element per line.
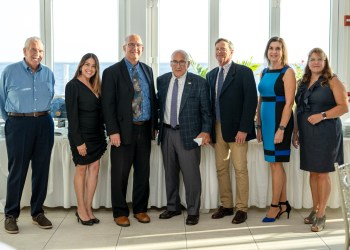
<point x="222" y="212"/>
<point x="240" y="217"/>
<point x="192" y="220"/>
<point x="169" y="214"/>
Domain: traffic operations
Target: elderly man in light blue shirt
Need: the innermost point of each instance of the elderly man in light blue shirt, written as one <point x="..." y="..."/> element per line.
<point x="26" y="91"/>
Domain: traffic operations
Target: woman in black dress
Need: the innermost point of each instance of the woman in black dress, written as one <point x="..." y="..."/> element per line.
<point x="85" y="133"/>
<point x="321" y="98"/>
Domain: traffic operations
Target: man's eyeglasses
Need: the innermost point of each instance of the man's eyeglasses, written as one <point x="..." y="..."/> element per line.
<point x="134" y="45"/>
<point x="181" y="63"/>
<point x="222" y="50"/>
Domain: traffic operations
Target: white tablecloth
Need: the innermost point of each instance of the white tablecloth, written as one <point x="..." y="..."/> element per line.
<point x="61" y="189"/>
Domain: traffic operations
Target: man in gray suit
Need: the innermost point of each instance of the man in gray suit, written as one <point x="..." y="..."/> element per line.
<point x="185" y="114"/>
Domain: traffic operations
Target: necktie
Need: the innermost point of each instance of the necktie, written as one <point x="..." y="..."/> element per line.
<point x="136" y="102"/>
<point x="173" y="107"/>
<point x="220" y="83"/>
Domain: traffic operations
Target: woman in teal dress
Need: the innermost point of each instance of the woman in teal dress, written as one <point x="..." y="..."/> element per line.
<point x="275" y="121"/>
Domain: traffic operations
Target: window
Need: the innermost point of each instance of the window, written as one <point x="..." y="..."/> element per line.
<point x="304" y="26"/>
<point x="183" y="25"/>
<point x="19" y="21"/>
<point x="246" y="24"/>
<point x="80" y="28"/>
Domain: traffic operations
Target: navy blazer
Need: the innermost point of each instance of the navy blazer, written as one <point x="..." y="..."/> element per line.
<point x="195" y="114"/>
<point x="117" y="93"/>
<point x="238" y="101"/>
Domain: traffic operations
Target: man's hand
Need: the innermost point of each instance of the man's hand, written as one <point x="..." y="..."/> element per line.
<point x="240" y="137"/>
<point x="205" y="138"/>
<point x="115" y="139"/>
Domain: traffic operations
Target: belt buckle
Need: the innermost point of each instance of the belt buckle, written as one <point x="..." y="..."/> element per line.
<point x="35" y="114"/>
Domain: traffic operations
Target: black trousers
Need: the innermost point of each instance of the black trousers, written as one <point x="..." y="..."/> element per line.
<point x="136" y="154"/>
<point x="28" y="139"/>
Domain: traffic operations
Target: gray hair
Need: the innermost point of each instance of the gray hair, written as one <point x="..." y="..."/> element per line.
<point x="230" y="44"/>
<point x="184" y="53"/>
<point x="30" y="40"/>
<point x="126" y="40"/>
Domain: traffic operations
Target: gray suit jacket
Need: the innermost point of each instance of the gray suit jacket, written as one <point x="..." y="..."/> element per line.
<point x="195" y="114"/>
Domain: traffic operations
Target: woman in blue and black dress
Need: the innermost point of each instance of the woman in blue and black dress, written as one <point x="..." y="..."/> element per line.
<point x="275" y="121"/>
<point x="321" y="98"/>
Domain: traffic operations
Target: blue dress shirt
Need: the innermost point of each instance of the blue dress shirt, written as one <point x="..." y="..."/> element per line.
<point x="146" y="102"/>
<point x="22" y="91"/>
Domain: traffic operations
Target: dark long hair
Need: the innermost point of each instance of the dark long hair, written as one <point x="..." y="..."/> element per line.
<point x="95" y="80"/>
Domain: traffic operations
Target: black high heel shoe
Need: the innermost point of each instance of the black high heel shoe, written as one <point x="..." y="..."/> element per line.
<point x="84" y="222"/>
<point x="95" y="220"/>
<point x="288" y="209"/>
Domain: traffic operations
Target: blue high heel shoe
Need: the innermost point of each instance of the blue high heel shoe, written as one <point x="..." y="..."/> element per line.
<point x="267" y="219"/>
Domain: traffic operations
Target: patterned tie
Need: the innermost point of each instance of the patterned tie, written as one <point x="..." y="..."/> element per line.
<point x="136" y="102"/>
<point x="173" y="108"/>
<point x="220" y="83"/>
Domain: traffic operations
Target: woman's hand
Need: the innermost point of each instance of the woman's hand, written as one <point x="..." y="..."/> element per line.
<point x="279" y="136"/>
<point x="295" y="139"/>
<point x="82" y="149"/>
<point x="258" y="134"/>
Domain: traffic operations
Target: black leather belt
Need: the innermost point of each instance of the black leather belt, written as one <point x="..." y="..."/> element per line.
<point x="139" y="123"/>
<point x="177" y="127"/>
<point x="33" y="114"/>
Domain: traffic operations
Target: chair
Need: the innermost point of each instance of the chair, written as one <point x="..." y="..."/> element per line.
<point x="343" y="173"/>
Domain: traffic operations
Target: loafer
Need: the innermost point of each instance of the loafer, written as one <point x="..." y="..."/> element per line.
<point x="222" y="212"/>
<point x="192" y="220"/>
<point x="169" y="214"/>
<point x="11" y="225"/>
<point x="42" y="221"/>
<point x="122" y="221"/>
<point x="240" y="217"/>
<point x="142" y="217"/>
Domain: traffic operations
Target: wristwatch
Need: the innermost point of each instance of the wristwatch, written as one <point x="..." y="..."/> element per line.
<point x="324" y="115"/>
<point x="280" y="127"/>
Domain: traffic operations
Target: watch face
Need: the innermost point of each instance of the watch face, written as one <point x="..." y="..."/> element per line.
<point x="281" y="127"/>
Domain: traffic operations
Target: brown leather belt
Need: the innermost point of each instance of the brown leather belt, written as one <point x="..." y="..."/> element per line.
<point x="177" y="127"/>
<point x="139" y="123"/>
<point x="33" y="114"/>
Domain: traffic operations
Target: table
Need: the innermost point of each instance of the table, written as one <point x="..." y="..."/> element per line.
<point x="61" y="189"/>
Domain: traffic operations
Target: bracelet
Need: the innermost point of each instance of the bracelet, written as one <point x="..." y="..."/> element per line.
<point x="257" y="126"/>
<point x="280" y="127"/>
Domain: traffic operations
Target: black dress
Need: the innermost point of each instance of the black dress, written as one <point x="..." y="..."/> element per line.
<point x="85" y="122"/>
<point x="321" y="145"/>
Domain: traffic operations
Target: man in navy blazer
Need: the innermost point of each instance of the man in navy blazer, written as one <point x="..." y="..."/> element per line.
<point x="185" y="115"/>
<point x="130" y="128"/>
<point x="234" y="102"/>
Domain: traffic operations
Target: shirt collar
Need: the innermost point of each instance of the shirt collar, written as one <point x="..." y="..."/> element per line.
<point x="226" y="67"/>
<point x="181" y="78"/>
<point x="130" y="66"/>
<point x="25" y="65"/>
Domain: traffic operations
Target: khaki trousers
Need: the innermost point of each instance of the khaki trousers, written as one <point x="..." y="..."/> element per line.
<point x="238" y="154"/>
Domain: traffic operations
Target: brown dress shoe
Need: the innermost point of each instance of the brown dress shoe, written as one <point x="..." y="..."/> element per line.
<point x="142" y="217"/>
<point x="122" y="221"/>
<point x="240" y="217"/>
<point x="222" y="212"/>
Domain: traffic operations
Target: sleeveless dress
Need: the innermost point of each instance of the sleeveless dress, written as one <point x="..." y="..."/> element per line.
<point x="85" y="122"/>
<point x="321" y="145"/>
<point x="271" y="89"/>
